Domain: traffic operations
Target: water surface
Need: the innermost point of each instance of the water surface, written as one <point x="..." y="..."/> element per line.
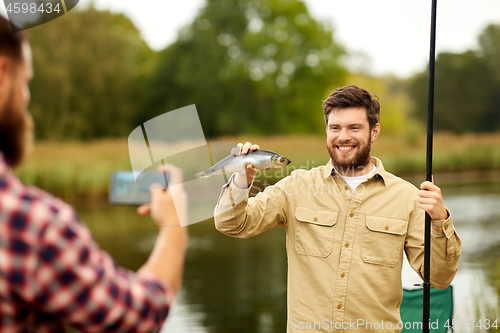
<point x="239" y="285"/>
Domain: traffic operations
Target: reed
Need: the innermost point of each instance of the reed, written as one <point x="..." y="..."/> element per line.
<point x="75" y="169"/>
<point x="83" y="169"/>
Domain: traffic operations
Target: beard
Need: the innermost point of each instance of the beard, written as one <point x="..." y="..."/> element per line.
<point x="16" y="133"/>
<point x="359" y="161"/>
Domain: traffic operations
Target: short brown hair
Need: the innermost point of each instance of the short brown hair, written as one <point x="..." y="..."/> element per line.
<point x="353" y="96"/>
<point x="11" y="43"/>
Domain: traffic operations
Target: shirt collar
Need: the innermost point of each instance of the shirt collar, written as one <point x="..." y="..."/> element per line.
<point x="329" y="169"/>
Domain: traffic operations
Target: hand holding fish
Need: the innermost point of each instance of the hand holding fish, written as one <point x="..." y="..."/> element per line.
<point x="245" y="161"/>
<point x="244" y="178"/>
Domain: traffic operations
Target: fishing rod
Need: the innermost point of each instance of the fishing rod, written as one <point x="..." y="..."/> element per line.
<point x="430" y="132"/>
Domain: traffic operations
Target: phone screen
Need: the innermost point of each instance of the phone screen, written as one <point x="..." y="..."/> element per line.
<point x="125" y="190"/>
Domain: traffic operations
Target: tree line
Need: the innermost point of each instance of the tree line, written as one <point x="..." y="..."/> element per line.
<point x="467" y="88"/>
<point x="250" y="66"/>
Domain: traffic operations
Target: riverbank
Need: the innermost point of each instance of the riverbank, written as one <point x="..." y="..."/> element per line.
<point x="83" y="169"/>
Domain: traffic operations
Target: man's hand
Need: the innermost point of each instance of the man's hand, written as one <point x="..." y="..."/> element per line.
<point x="162" y="208"/>
<point x="431" y="200"/>
<point x="167" y="258"/>
<point x="245" y="178"/>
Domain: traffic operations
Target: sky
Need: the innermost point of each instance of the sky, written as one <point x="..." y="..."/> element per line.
<point x="385" y="36"/>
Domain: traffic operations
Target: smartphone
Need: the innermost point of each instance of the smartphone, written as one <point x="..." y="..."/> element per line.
<point x="124" y="189"/>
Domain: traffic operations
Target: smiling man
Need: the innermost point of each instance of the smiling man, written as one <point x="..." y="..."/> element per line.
<point x="348" y="223"/>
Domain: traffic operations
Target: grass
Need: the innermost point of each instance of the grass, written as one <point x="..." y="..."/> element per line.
<point x="77" y="169"/>
<point x="486" y="313"/>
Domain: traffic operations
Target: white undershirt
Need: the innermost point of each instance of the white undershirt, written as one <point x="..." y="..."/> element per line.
<point x="353" y="182"/>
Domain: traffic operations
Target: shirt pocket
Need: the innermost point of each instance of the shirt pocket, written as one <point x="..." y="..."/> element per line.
<point x="384" y="240"/>
<point x="314" y="231"/>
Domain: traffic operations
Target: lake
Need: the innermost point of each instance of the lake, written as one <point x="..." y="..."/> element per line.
<point x="239" y="285"/>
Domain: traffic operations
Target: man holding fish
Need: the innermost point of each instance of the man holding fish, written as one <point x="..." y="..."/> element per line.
<point x="348" y="223"/>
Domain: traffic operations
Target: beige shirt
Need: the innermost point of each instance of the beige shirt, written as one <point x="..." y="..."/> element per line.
<point x="345" y="249"/>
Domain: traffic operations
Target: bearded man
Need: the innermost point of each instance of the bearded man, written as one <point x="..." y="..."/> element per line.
<point x="348" y="223"/>
<point x="53" y="275"/>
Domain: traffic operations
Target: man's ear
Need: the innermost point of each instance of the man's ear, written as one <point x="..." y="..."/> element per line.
<point x="5" y="67"/>
<point x="5" y="79"/>
<point x="375" y="132"/>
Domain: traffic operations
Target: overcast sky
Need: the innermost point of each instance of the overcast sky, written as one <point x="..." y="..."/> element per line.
<point x="393" y="34"/>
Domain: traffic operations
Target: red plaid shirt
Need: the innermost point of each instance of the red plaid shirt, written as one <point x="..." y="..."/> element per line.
<point x="53" y="274"/>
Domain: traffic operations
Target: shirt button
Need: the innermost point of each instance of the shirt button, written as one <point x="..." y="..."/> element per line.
<point x="347" y="187"/>
<point x="342" y="275"/>
<point x="339" y="306"/>
<point x="351" y="215"/>
<point x="445" y="227"/>
<point x="437" y="228"/>
<point x="315" y="219"/>
<point x="386" y="227"/>
<point x="346" y="244"/>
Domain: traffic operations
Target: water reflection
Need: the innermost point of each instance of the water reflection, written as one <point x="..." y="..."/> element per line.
<point x="476" y="212"/>
<point x="239" y="285"/>
<point x="476" y="215"/>
<point x="230" y="285"/>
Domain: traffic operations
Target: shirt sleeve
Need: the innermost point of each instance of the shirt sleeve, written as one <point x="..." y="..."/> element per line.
<point x="239" y="216"/>
<point x="445" y="248"/>
<point x="77" y="281"/>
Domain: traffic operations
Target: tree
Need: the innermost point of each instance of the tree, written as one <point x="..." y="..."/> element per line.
<point x="467" y="95"/>
<point x="88" y="71"/>
<point x="258" y="66"/>
<point x="489" y="42"/>
<point x="463" y="95"/>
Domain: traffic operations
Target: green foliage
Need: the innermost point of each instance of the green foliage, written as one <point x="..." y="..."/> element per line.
<point x="88" y="70"/>
<point x="489" y="41"/>
<point x="467" y="94"/>
<point x="249" y="66"/>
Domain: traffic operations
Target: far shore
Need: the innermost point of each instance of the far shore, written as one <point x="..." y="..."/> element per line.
<point x="83" y="169"/>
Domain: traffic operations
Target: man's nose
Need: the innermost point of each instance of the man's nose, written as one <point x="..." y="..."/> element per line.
<point x="344" y="135"/>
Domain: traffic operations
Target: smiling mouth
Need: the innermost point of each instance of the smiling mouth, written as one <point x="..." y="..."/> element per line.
<point x="345" y="148"/>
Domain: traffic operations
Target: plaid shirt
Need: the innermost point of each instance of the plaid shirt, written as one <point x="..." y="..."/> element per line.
<point x="53" y="275"/>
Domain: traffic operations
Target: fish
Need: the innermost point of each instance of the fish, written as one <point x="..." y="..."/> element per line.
<point x="261" y="159"/>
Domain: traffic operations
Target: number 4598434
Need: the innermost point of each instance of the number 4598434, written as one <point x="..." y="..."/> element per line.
<point x="32" y="8"/>
<point x="471" y="323"/>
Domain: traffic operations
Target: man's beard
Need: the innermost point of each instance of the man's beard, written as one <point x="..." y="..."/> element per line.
<point x="16" y="133"/>
<point x="358" y="162"/>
